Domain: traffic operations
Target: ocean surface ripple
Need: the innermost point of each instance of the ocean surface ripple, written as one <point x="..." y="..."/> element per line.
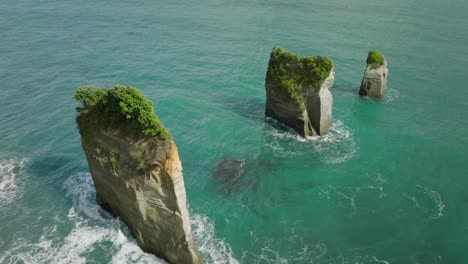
<point x="386" y="185"/>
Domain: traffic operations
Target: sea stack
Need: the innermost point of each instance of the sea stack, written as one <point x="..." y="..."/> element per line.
<point x="298" y="91"/>
<point x="136" y="170"/>
<point x="375" y="76"/>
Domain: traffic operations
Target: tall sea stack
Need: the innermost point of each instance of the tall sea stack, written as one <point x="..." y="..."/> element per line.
<point x="298" y="91"/>
<point x="375" y="76"/>
<point x="136" y="170"/>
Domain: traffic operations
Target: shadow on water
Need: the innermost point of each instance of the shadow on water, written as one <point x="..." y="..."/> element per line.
<point x="252" y="108"/>
<point x="349" y="90"/>
<point x="280" y="127"/>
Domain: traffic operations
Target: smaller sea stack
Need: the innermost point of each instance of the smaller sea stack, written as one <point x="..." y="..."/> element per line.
<point x="136" y="170"/>
<point x="375" y="76"/>
<point x="298" y="91"/>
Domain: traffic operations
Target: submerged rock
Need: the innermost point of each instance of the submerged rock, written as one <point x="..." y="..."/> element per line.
<point x="375" y="76"/>
<point x="136" y="170"/>
<point x="297" y="91"/>
<point x="229" y="170"/>
<point x="234" y="176"/>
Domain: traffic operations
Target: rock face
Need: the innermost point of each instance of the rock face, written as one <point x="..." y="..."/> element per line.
<point x="298" y="91"/>
<point x="137" y="175"/>
<point x="375" y="76"/>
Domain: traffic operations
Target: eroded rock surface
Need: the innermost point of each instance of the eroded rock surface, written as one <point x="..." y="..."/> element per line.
<point x="298" y="91"/>
<point x="374" y="81"/>
<point x="138" y="176"/>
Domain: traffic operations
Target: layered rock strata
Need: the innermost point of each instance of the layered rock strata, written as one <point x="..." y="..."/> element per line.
<point x="375" y="76"/>
<point x="136" y="170"/>
<point x="298" y="91"/>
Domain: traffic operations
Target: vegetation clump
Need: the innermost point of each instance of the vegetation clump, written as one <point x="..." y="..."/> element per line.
<point x="292" y="74"/>
<point x="117" y="105"/>
<point x="375" y="59"/>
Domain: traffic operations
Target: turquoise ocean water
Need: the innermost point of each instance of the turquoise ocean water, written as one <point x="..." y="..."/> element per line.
<point x="386" y="185"/>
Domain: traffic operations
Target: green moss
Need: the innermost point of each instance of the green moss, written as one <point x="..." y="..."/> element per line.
<point x="113" y="159"/>
<point x="375" y="59"/>
<point x="102" y="160"/>
<point x="291" y="75"/>
<point x="112" y="107"/>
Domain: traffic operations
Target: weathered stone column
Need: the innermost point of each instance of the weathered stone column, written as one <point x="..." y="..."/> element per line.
<point x="319" y="104"/>
<point x="375" y="76"/>
<point x="136" y="170"/>
<point x="298" y="91"/>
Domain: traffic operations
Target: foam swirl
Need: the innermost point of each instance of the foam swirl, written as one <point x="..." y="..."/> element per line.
<point x="11" y="171"/>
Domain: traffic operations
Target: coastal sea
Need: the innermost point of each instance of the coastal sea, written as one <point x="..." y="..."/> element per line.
<point x="386" y="185"/>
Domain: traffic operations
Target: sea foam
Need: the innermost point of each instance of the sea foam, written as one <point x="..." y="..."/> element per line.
<point x="436" y="198"/>
<point x="11" y="184"/>
<point x="96" y="236"/>
<point x="213" y="249"/>
<point x="336" y="146"/>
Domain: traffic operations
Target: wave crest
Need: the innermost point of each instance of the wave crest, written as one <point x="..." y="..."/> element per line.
<point x="10" y="183"/>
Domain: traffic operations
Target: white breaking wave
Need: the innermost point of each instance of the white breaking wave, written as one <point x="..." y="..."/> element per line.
<point x="214" y="250"/>
<point x="10" y="183"/>
<point x="91" y="229"/>
<point x="336" y="146"/>
<point x="94" y="229"/>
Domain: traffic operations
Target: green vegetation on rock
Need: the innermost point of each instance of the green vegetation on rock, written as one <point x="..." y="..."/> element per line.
<point x="112" y="107"/>
<point x="291" y="74"/>
<point x="375" y="59"/>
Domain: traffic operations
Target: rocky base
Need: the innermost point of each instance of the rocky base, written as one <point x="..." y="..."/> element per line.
<point x="298" y="91"/>
<point x="310" y="116"/>
<point x="374" y="81"/>
<point x="139" y="179"/>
